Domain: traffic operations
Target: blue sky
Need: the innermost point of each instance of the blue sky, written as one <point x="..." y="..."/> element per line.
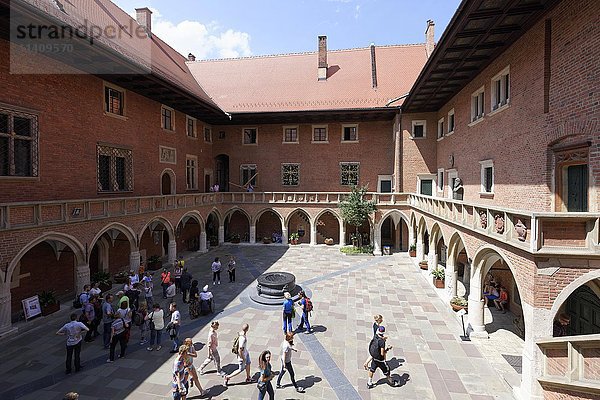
<point x="232" y="28"/>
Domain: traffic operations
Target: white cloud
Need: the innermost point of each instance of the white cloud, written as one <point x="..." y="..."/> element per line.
<point x="203" y="40"/>
<point x="357" y="11"/>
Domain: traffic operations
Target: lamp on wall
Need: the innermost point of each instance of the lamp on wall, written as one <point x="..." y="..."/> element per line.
<point x="76" y="211"/>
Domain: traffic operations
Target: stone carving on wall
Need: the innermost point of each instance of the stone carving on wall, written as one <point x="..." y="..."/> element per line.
<point x="499" y="223"/>
<point x="483" y="219"/>
<point x="168" y="155"/>
<point x="521" y="230"/>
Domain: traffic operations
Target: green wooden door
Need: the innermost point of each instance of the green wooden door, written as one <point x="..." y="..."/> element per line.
<point x="584" y="308"/>
<point x="577" y="188"/>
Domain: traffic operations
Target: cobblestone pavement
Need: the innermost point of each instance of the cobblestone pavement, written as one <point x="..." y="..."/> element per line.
<point x="428" y="358"/>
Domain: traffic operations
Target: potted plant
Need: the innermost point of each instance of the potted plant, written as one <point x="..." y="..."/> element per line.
<point x="329" y="241"/>
<point x="423" y="264"/>
<point x="121" y="277"/>
<point x="266" y="240"/>
<point x="294" y="238"/>
<point x="153" y="263"/>
<point x="234" y="238"/>
<point x="48" y="302"/>
<point x="103" y="280"/>
<point x="354" y="238"/>
<point x="458" y="303"/>
<point x="439" y="275"/>
<point x="412" y="250"/>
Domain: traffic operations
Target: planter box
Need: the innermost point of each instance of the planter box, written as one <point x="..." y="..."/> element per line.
<point x="423" y="265"/>
<point x="456" y="307"/>
<point x="235" y="241"/>
<point x="412" y="253"/>
<point x="50" y="309"/>
<point x="294" y="241"/>
<point x="439" y="283"/>
<point x="266" y="241"/>
<point x="329" y="241"/>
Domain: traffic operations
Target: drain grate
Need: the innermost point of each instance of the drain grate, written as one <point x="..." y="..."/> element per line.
<point x="514" y="361"/>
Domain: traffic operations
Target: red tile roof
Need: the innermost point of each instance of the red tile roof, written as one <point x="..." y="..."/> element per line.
<point x="288" y="82"/>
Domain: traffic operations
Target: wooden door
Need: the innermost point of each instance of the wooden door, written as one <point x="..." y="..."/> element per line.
<point x="577" y="188"/>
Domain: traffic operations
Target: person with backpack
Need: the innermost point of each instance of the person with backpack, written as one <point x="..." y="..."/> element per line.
<point x="377" y="353"/>
<point x="165" y="281"/>
<point x="240" y="348"/>
<point x="126" y="314"/>
<point x="287" y="347"/>
<point x="83" y="298"/>
<point x="118" y="332"/>
<point x="156" y="323"/>
<point x="307" y="307"/>
<point x="288" y="312"/>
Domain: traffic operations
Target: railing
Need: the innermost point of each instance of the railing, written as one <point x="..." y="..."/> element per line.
<point x="48" y="213"/>
<point x="571" y="363"/>
<point x="540" y="233"/>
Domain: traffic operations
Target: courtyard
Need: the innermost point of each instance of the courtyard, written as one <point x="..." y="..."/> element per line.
<point x="428" y="359"/>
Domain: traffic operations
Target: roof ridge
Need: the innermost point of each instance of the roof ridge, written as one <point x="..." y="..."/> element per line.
<point x="302" y="53"/>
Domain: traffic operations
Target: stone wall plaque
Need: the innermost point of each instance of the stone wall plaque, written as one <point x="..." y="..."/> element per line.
<point x="521" y="230"/>
<point x="483" y="219"/>
<point x="499" y="223"/>
<point x="168" y="155"/>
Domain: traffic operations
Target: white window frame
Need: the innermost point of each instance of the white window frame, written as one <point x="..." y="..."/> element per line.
<point x="486" y="164"/>
<point x="453" y="115"/>
<point x="297" y="128"/>
<point x="244" y="132"/>
<point x="381" y="178"/>
<point x="451" y="174"/>
<point x="190" y="157"/>
<point x="440" y="129"/>
<point x="297" y="173"/>
<point x="477" y="105"/>
<point x="426" y="177"/>
<point x="504" y="97"/>
<point x="440" y="180"/>
<point x="415" y="123"/>
<point x="194" y="134"/>
<point x="344" y="126"/>
<point x="312" y="134"/>
<point x="357" y="172"/>
<point x="163" y="107"/>
<point x="210" y="136"/>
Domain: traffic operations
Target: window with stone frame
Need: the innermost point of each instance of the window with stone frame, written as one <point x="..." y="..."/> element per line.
<point x="250" y="136"/>
<point x="191" y="127"/>
<point x="114" y="100"/>
<point x="320" y="134"/>
<point x="290" y="134"/>
<point x="350" y="133"/>
<point x="191" y="172"/>
<point x="290" y="174"/>
<point x="207" y="134"/>
<point x="349" y="173"/>
<point x="114" y="169"/>
<point x="18" y="143"/>
<point x="167" y="118"/>
<point x="248" y="174"/>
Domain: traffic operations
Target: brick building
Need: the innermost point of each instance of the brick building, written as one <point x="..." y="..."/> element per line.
<point x="483" y="152"/>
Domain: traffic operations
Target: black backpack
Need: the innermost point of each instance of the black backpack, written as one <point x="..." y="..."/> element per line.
<point x="374" y="349"/>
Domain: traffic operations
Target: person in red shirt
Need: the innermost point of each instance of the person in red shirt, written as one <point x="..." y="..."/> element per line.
<point x="502" y="300"/>
<point x="165" y="281"/>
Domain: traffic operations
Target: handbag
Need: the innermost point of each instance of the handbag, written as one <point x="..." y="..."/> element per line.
<point x="151" y="322"/>
<point x="262" y="386"/>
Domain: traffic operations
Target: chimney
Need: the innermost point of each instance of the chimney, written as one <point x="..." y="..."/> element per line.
<point x="373" y="67"/>
<point x="429" y="38"/>
<point x="322" y="58"/>
<point x="144" y="18"/>
<point x="191" y="57"/>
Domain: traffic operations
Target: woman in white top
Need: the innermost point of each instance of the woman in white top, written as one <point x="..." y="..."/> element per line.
<point x="157" y="324"/>
<point x="287" y="347"/>
<point x="216" y="269"/>
<point x="213" y="352"/>
<point x="95" y="290"/>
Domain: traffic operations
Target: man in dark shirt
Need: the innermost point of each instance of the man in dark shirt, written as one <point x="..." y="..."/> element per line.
<point x="559" y="328"/>
<point x="185" y="282"/>
<point x="377" y="351"/>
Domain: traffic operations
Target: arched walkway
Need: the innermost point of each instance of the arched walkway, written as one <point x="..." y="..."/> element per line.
<point x="269" y="225"/>
<point x="237" y="225"/>
<point x="298" y="221"/>
<point x="157" y="239"/>
<point x="458" y="268"/>
<point x="214" y="229"/>
<point x="327" y="226"/>
<point x="392" y="230"/>
<point x="582" y="307"/>
<point x="112" y="249"/>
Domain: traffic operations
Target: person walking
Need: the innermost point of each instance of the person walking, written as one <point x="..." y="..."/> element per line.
<point x="231" y="268"/>
<point x="180" y="384"/>
<point x="185" y="282"/>
<point x="243" y="355"/>
<point x="216" y="270"/>
<point x="377" y="352"/>
<point x="287" y="347"/>
<point x="73" y="332"/>
<point x="288" y="312"/>
<point x="266" y="375"/>
<point x="175" y="324"/>
<point x="165" y="281"/>
<point x="108" y="314"/>
<point x="213" y="352"/>
<point x="156" y="323"/>
<point x="377" y="321"/>
<point x="189" y="364"/>
<point x="171" y="292"/>
<point x="177" y="271"/>
<point x="306" y="305"/>
<point x="118" y="331"/>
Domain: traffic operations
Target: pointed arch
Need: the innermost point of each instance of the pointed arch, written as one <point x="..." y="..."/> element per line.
<point x="159" y="219"/>
<point x="192" y="215"/>
<point x="487" y="256"/>
<point x="329" y="210"/>
<point x="299" y="209"/>
<point x="172" y="181"/>
<point x="566" y="292"/>
<point x="124" y="229"/>
<point x="264" y="210"/>
<point x="454" y="245"/>
<point x="232" y="210"/>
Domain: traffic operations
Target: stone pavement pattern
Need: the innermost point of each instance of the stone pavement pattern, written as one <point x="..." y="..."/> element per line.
<point x="428" y="357"/>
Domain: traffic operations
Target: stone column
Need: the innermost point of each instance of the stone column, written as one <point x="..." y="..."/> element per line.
<point x="172" y="251"/>
<point x="134" y="261"/>
<point x="397" y="234"/>
<point x="411" y="236"/>
<point x="5" y="311"/>
<point x="82" y="276"/>
<point x="432" y="259"/>
<point x="221" y="234"/>
<point x="476" y="307"/>
<point x="313" y="233"/>
<point x="253" y="233"/>
<point x="451" y="278"/>
<point x="284" y="235"/>
<point x="537" y="323"/>
<point x="377" y="242"/>
<point x="342" y="233"/>
<point x="203" y="248"/>
<point x="420" y="248"/>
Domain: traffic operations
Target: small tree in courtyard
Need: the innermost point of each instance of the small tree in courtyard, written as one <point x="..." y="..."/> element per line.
<point x="356" y="209"/>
